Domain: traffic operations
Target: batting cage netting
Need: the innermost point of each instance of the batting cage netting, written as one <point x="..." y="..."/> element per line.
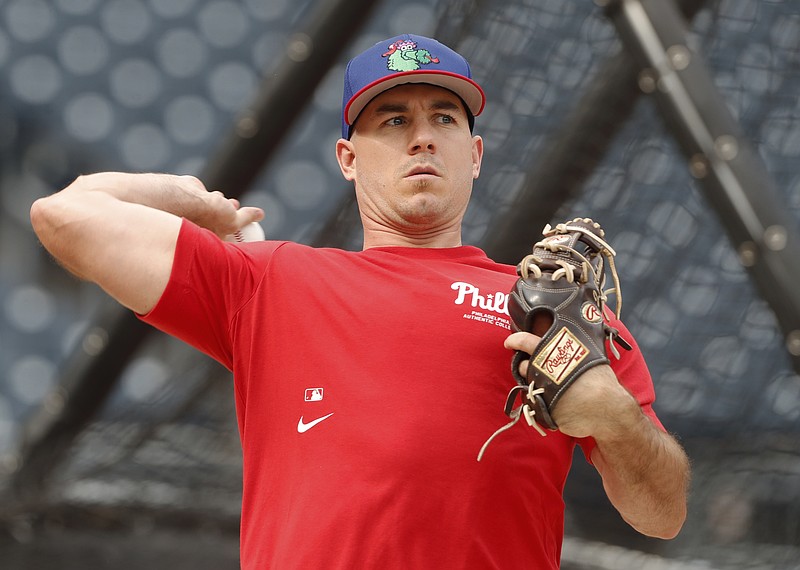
<point x="135" y="460"/>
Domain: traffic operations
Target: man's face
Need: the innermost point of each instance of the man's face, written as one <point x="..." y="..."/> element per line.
<point x="413" y="160"/>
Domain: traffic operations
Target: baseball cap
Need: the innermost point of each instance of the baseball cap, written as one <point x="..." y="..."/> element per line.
<point x="406" y="59"/>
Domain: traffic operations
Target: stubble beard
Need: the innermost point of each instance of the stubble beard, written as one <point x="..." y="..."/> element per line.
<point x="422" y="207"/>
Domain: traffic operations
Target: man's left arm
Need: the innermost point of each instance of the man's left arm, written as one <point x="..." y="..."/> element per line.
<point x="645" y="471"/>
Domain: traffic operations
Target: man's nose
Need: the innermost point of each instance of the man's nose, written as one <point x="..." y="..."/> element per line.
<point x="422" y="138"/>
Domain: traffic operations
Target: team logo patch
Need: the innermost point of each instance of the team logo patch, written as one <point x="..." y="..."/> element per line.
<point x="560" y="356"/>
<point x="404" y="56"/>
<point x="591" y="313"/>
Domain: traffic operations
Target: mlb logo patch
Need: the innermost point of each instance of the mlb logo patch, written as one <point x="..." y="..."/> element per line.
<point x="314" y="394"/>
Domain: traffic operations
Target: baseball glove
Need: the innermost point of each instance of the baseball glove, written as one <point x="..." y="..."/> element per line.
<point x="560" y="297"/>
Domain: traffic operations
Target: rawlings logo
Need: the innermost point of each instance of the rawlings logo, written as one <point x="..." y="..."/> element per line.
<point x="560" y="356"/>
<point x="591" y="313"/>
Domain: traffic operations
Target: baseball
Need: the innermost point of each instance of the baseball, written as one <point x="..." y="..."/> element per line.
<point x="251" y="232"/>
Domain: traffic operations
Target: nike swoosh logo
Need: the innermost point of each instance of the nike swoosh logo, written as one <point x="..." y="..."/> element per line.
<point x="304" y="427"/>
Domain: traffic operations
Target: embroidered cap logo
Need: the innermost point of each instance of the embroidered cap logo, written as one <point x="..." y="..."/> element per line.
<point x="404" y="56"/>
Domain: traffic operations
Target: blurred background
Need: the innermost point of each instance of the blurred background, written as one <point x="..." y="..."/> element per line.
<point x="118" y="446"/>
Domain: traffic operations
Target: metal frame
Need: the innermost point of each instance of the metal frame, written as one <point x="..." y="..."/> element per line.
<point x="730" y="172"/>
<point x="559" y="174"/>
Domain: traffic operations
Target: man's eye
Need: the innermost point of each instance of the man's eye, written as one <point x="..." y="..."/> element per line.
<point x="395" y="121"/>
<point x="447" y="119"/>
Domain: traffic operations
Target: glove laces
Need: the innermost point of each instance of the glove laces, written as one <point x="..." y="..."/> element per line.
<point x="520" y="411"/>
<point x="530" y="263"/>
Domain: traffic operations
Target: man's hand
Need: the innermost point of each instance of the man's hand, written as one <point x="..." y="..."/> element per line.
<point x="225" y="216"/>
<point x="592" y="403"/>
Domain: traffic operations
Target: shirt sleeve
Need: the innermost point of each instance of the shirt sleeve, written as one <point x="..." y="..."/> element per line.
<point x="210" y="281"/>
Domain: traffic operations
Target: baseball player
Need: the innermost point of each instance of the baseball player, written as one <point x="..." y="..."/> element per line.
<point x="366" y="383"/>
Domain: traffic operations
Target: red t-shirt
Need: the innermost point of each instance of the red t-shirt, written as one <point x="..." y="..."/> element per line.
<point x="365" y="384"/>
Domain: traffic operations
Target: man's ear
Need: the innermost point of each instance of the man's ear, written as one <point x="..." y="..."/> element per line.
<point x="477" y="156"/>
<point x="346" y="156"/>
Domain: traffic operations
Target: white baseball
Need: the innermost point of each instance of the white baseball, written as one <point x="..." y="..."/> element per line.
<point x="251" y="232"/>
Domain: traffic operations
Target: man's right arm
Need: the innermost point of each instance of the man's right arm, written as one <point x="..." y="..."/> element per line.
<point x="119" y="230"/>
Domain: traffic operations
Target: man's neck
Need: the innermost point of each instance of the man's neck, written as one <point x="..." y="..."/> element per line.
<point x="392" y="239"/>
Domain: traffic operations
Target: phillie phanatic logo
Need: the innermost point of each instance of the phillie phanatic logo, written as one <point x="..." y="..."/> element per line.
<point x="404" y="56"/>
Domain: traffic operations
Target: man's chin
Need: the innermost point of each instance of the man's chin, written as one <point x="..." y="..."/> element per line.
<point x="423" y="211"/>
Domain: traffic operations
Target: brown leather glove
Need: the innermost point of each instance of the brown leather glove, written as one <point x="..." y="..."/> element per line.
<point x="560" y="297"/>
